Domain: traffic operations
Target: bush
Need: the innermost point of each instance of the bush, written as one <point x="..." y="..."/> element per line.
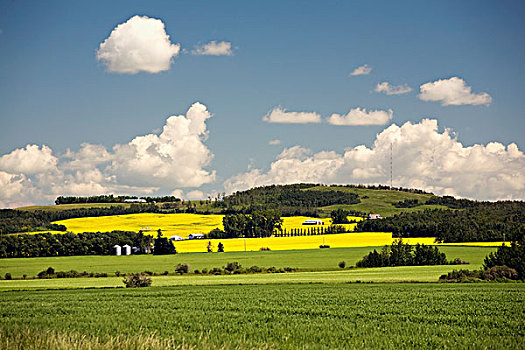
<point x="182" y="268"/>
<point x="117" y="273"/>
<point x="499" y="273"/>
<point x="264" y="249"/>
<point x="458" y="261"/>
<point x="136" y="280"/>
<point x="8" y="276"/>
<point x="165" y="273"/>
<point x="342" y="264"/>
<point x="220" y="248"/>
<point x="324" y="246"/>
<point x="232" y="267"/>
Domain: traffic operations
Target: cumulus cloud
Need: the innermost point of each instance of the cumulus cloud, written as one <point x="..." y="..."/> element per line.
<point x="214" y="48"/>
<point x="361" y="70"/>
<point x="195" y="194"/>
<point x="423" y="158"/>
<point x="358" y="116"/>
<point x="147" y="164"/>
<point x="452" y="92"/>
<point x="138" y="45"/>
<point x="274" y="142"/>
<point x="279" y="115"/>
<point x="388" y="89"/>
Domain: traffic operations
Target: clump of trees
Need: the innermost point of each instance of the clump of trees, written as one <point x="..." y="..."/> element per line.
<point x="339" y="216"/>
<point x="68" y="244"/>
<point x="512" y="257"/>
<point x="401" y="254"/>
<point x="257" y="224"/>
<point x="162" y="245"/>
<point x="137" y="280"/>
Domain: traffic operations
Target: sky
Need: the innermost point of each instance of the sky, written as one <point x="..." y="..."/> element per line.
<point x="199" y="98"/>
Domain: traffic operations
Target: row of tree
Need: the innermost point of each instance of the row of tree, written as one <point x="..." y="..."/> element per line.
<point x="112" y="199"/>
<point x="69" y="244"/>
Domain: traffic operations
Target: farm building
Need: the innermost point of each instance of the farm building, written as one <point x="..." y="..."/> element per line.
<point x="313" y="222"/>
<point x="127" y="249"/>
<point x="135" y="200"/>
<point x="117" y="249"/>
<point x="176" y="238"/>
<point x="196" y="236"/>
<point x="374" y="216"/>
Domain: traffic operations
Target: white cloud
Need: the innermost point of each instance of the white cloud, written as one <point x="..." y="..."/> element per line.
<point x="279" y="115"/>
<point x="358" y="116"/>
<point x="274" y="142"/>
<point x="388" y="89"/>
<point x="140" y="44"/>
<point x="361" y="70"/>
<point x="423" y="158"/>
<point x="147" y="164"/>
<point x="29" y="160"/>
<point x="196" y="194"/>
<point x="452" y="92"/>
<point x="176" y="157"/>
<point x="214" y="48"/>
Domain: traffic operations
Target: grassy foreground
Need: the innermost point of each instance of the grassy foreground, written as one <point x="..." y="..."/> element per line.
<point x="282" y="316"/>
<point x="318" y="260"/>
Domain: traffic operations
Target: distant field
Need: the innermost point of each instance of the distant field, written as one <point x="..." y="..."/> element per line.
<point x="378" y="201"/>
<point x="313" y="260"/>
<point x="170" y="224"/>
<point x="276" y="316"/>
<point x="72" y="206"/>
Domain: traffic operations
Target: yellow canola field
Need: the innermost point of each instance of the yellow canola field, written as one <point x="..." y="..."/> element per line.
<point x="172" y="224"/>
<point x="343" y="240"/>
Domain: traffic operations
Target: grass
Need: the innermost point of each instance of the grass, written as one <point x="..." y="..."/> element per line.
<point x="278" y="316"/>
<point x="378" y="201"/>
<point x="305" y="260"/>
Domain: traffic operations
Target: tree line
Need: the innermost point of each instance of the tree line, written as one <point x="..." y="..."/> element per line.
<point x="112" y="199"/>
<point x="485" y="222"/>
<point x="69" y="244"/>
<point x="256" y="224"/>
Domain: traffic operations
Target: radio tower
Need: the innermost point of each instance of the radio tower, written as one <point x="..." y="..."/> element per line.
<point x="391" y="146"/>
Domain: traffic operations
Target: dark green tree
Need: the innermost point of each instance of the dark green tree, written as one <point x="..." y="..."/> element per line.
<point x="339" y="216"/>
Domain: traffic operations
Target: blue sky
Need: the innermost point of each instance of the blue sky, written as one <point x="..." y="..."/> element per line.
<point x="294" y="55"/>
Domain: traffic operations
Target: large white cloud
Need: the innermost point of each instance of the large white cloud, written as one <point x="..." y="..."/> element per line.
<point x="452" y="92"/>
<point x="358" y="116"/>
<point x="279" y="115"/>
<point x="139" y="44"/>
<point x="214" y="48"/>
<point x="388" y="89"/>
<point x="423" y="158"/>
<point x="175" y="158"/>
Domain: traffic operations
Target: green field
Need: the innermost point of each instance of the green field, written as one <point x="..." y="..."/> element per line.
<point x="306" y="260"/>
<point x="378" y="201"/>
<point x="281" y="316"/>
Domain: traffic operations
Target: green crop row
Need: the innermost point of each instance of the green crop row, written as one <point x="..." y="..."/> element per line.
<point x="286" y="316"/>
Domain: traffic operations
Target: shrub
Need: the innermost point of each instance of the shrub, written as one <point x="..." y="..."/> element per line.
<point x="182" y="268"/>
<point x="148" y="273"/>
<point x="136" y="280"/>
<point x="324" y="246"/>
<point x="8" y="276"/>
<point x="220" y="248"/>
<point x="165" y="273"/>
<point x="216" y="271"/>
<point x="342" y="264"/>
<point x="458" y="261"/>
<point x="264" y="249"/>
<point x="255" y="269"/>
<point x="204" y="270"/>
<point x="232" y="266"/>
<point x="498" y="273"/>
<point x="117" y="273"/>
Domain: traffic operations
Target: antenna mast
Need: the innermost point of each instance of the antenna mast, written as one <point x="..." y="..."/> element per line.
<point x="391" y="146"/>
